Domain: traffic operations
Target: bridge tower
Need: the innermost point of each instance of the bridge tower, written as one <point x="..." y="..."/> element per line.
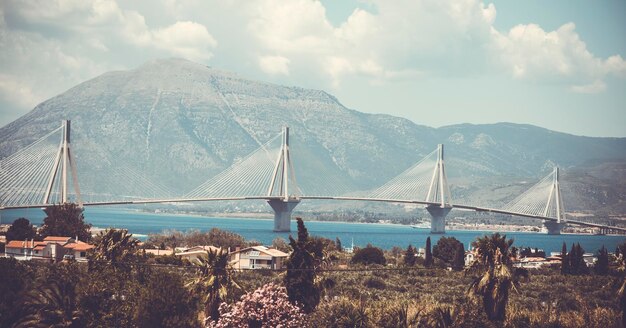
<point x="64" y="159"/>
<point x="439" y="192"/>
<point x="282" y="176"/>
<point x="554" y="206"/>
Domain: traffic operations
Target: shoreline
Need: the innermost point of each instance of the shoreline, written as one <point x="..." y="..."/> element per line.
<point x="452" y="226"/>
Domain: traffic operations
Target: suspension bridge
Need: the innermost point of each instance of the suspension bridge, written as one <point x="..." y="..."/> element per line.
<point x="38" y="176"/>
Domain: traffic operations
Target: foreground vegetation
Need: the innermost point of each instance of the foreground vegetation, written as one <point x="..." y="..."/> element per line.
<point x="69" y="294"/>
<point x="121" y="286"/>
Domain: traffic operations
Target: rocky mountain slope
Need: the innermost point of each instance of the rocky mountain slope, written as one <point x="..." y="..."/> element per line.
<point x="176" y="123"/>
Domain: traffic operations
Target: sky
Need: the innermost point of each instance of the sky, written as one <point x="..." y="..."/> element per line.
<point x="558" y="64"/>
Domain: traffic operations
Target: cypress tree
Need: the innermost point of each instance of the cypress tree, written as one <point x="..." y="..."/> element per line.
<point x="565" y="268"/>
<point x="602" y="265"/>
<point x="300" y="276"/>
<point x="338" y="245"/>
<point x="459" y="258"/>
<point x="409" y="256"/>
<point x="576" y="261"/>
<point x="428" y="259"/>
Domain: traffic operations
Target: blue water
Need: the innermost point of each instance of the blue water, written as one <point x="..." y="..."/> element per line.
<point x="382" y="235"/>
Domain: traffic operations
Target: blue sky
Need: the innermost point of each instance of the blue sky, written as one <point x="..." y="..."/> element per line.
<point x="557" y="64"/>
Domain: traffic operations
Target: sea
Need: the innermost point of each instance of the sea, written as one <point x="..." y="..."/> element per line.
<point x="385" y="236"/>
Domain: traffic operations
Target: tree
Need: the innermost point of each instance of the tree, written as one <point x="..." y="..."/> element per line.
<point x="602" y="265"/>
<point x="15" y="280"/>
<point x="225" y="239"/>
<point x="65" y="220"/>
<point x="281" y="245"/>
<point x="21" y="229"/>
<point x="108" y="297"/>
<point x="300" y="276"/>
<point x="338" y="245"/>
<point x="576" y="260"/>
<point x="197" y="238"/>
<point x="446" y="248"/>
<point x="428" y="258"/>
<point x="166" y="303"/>
<point x="565" y="269"/>
<point x="497" y="278"/>
<point x="267" y="306"/>
<point x="621" y="292"/>
<point x="458" y="263"/>
<point x="369" y="255"/>
<point x="620" y="254"/>
<point x="214" y="281"/>
<point x="409" y="256"/>
<point x="54" y="303"/>
<point x="114" y="246"/>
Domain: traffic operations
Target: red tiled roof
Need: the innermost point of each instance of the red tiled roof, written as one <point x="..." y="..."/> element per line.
<point x="20" y="244"/>
<point x="57" y="238"/>
<point x="79" y="246"/>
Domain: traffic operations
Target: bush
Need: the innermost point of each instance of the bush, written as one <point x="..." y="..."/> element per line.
<point x="267" y="306"/>
<point x="340" y="313"/>
<point x="165" y="302"/>
<point x="374" y="282"/>
<point x="369" y="255"/>
<point x="446" y="248"/>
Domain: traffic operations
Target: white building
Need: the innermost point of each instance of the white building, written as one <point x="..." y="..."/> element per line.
<point x="258" y="257"/>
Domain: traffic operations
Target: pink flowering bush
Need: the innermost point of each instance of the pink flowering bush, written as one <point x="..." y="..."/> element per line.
<point x="267" y="306"/>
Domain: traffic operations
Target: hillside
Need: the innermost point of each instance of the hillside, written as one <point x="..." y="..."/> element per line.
<point x="177" y="123"/>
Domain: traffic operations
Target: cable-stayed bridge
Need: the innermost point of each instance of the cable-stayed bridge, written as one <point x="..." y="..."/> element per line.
<point x="39" y="175"/>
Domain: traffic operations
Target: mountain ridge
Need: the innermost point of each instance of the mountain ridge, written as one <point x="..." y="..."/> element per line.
<point x="180" y="123"/>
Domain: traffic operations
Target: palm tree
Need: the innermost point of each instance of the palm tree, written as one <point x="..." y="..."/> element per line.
<point x="214" y="281"/>
<point x="493" y="261"/>
<point x="114" y="246"/>
<point x="54" y="305"/>
<point x="621" y="292"/>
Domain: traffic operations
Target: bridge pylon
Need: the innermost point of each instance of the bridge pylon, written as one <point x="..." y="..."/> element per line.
<point x="282" y="183"/>
<point x="63" y="160"/>
<point x="554" y="206"/>
<point x="439" y="192"/>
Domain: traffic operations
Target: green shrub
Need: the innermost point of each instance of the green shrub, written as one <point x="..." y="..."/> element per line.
<point x="369" y="255"/>
<point x="375" y="282"/>
<point x="341" y="313"/>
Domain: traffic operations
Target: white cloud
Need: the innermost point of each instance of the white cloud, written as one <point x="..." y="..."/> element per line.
<point x="274" y="65"/>
<point x="529" y="52"/>
<point x="49" y="46"/>
<point x="596" y="87"/>
<point x="17" y="91"/>
<point x="187" y="39"/>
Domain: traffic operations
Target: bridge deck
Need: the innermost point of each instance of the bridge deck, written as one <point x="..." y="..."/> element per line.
<point x="400" y="201"/>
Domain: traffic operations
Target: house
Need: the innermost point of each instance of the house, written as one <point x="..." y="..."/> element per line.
<point x="78" y="250"/>
<point x="52" y="248"/>
<point x="258" y="257"/>
<point x="195" y="252"/>
<point x="530" y="262"/>
<point x="19" y="249"/>
<point x="157" y="251"/>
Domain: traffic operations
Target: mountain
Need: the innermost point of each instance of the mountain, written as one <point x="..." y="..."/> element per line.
<point x="176" y="123"/>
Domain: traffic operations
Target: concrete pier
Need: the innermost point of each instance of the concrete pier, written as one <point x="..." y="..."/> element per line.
<point x="438" y="218"/>
<point x="282" y="213"/>
<point x="553" y="227"/>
